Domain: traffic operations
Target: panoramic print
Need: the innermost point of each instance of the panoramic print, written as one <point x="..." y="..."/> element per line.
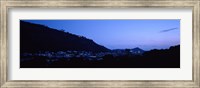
<point x="100" y="43"/>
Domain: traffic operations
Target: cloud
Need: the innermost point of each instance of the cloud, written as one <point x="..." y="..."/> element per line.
<point x="167" y="30"/>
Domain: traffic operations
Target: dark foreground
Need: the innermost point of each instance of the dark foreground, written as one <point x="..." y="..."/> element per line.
<point x="168" y="58"/>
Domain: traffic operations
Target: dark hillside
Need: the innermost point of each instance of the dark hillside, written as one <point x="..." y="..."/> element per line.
<point x="35" y="37"/>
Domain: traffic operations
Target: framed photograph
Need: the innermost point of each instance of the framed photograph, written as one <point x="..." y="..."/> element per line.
<point x="99" y="43"/>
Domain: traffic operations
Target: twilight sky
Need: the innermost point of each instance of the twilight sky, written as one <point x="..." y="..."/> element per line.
<point x="120" y="34"/>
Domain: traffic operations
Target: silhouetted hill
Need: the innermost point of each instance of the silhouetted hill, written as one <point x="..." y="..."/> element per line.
<point x="172" y="51"/>
<point x="35" y="37"/>
<point x="137" y="50"/>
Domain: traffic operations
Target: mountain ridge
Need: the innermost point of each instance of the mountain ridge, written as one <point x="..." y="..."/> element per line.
<point x="37" y="37"/>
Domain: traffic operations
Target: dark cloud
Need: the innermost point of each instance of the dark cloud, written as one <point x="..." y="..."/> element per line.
<point x="167" y="30"/>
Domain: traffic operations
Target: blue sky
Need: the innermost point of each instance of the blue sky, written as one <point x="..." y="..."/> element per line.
<point x="121" y="34"/>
